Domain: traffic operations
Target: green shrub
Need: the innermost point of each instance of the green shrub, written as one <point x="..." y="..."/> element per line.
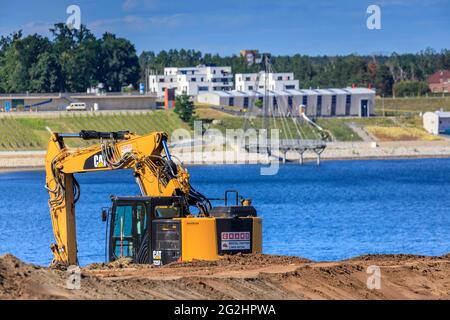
<point x="410" y="88"/>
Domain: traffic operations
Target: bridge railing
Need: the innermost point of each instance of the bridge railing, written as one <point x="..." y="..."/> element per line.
<point x="293" y="144"/>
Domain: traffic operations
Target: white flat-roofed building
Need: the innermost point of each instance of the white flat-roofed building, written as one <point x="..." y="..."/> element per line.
<point x="362" y="102"/>
<point x="256" y="81"/>
<point x="192" y="80"/>
<point x="216" y="98"/>
<point x="158" y="83"/>
<point x="347" y="102"/>
<point x="437" y="122"/>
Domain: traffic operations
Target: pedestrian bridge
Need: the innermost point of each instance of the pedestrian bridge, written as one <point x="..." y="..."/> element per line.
<point x="283" y="146"/>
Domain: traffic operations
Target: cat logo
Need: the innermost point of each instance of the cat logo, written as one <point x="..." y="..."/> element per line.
<point x="98" y="161"/>
<point x="95" y="161"/>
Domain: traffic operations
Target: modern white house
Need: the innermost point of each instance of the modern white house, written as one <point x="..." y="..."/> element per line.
<point x="192" y="81"/>
<point x="437" y="122"/>
<point x="275" y="81"/>
<point x="347" y="102"/>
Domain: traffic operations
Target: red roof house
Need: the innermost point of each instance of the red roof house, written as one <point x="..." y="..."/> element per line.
<point x="440" y="81"/>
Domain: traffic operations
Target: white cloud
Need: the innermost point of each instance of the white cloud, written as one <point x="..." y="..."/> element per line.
<point x="111" y="25"/>
<point x="39" y="27"/>
<point x="137" y="23"/>
<point x="168" y="21"/>
<point x="130" y="5"/>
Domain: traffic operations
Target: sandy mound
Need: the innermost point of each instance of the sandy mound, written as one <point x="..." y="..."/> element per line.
<point x="235" y="277"/>
<point x="118" y="264"/>
<point x="18" y="279"/>
<point x="242" y="260"/>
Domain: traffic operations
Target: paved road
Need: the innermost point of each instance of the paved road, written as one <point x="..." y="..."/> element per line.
<point x="57" y="114"/>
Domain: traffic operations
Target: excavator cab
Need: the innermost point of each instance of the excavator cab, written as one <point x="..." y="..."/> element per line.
<point x="160" y="230"/>
<point x="144" y="229"/>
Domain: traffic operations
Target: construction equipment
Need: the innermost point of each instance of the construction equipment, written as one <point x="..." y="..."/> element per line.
<point x="41" y="103"/>
<point x="157" y="227"/>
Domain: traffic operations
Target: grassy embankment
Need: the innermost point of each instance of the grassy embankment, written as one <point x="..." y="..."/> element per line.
<point x="288" y="129"/>
<point x="402" y="128"/>
<point x="402" y="121"/>
<point x="411" y="106"/>
<point x="406" y="115"/>
<point x="31" y="133"/>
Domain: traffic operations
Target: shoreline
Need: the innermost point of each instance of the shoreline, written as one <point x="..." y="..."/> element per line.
<point x="307" y="161"/>
<point x="335" y="151"/>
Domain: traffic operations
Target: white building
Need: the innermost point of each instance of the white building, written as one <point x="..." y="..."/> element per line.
<point x="348" y="102"/>
<point x="437" y="122"/>
<point x="192" y="81"/>
<point x="275" y="81"/>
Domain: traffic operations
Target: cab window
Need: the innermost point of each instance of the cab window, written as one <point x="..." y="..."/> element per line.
<point x="123" y="231"/>
<point x="166" y="212"/>
<point x="141" y="222"/>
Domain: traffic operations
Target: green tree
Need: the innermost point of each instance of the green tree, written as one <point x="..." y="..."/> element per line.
<point x="45" y="74"/>
<point x="78" y="57"/>
<point x="120" y="64"/>
<point x="409" y="88"/>
<point x="145" y="61"/>
<point x="384" y="81"/>
<point x="185" y="109"/>
<point x="18" y="60"/>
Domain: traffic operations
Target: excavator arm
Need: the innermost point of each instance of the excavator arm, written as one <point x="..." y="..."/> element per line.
<point x="148" y="156"/>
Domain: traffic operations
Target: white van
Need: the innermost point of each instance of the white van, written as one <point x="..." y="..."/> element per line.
<point x="76" y="106"/>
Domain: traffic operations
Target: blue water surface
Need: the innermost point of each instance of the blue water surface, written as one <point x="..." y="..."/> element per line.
<point x="338" y="210"/>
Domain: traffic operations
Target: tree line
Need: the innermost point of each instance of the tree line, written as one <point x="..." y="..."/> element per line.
<point x="74" y="60"/>
<point x="402" y="74"/>
<point x="71" y="61"/>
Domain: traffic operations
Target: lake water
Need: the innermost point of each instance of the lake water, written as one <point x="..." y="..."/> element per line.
<point x="338" y="210"/>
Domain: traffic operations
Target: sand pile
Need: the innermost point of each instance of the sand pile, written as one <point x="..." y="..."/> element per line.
<point x="235" y="277"/>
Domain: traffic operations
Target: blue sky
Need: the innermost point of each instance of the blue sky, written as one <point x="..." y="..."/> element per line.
<point x="313" y="27"/>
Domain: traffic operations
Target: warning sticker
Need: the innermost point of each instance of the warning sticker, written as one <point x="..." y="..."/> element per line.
<point x="128" y="148"/>
<point x="156" y="255"/>
<point x="235" y="241"/>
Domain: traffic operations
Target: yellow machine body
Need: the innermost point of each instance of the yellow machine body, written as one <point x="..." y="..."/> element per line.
<point x="198" y="239"/>
<point x="201" y="241"/>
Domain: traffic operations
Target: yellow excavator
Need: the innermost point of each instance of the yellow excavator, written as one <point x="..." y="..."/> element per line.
<point x="156" y="227"/>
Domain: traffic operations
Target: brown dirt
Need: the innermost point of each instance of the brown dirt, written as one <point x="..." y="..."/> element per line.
<point x="235" y="277"/>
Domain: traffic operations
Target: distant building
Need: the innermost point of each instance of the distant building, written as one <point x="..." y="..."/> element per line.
<point x="437" y="122"/>
<point x="192" y="81"/>
<point x="348" y="102"/>
<point x="246" y="52"/>
<point x="439" y="82"/>
<point x="257" y="81"/>
<point x="251" y="56"/>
